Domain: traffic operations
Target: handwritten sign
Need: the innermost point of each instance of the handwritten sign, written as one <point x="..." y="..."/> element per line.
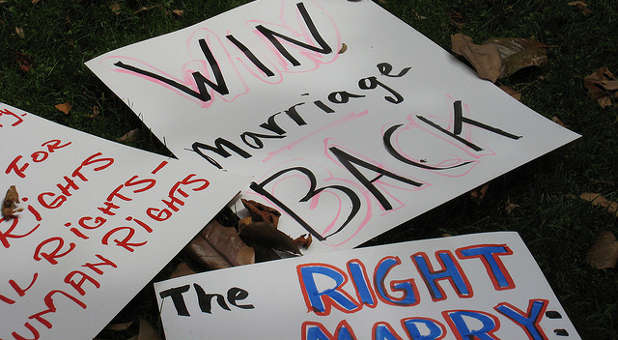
<point x="349" y="121"/>
<point x="99" y="220"/>
<point x="481" y="286"/>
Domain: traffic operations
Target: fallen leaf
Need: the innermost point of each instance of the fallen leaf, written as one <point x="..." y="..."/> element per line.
<point x="518" y="53"/>
<point x="9" y="204"/>
<point x="146" y="331"/>
<point x="601" y="86"/>
<point x="511" y="92"/>
<point x="227" y="217"/>
<point x="557" y="120"/>
<point x="95" y="112"/>
<point x="24" y="61"/>
<point x="265" y="234"/>
<point x="303" y="241"/>
<point x="484" y="58"/>
<point x="479" y="193"/>
<point x="64" y="107"/>
<point x="499" y="57"/>
<point x="115" y="7"/>
<point x="20" y="32"/>
<point x="609" y="85"/>
<point x="129" y="137"/>
<point x="182" y="269"/>
<point x="343" y="48"/>
<point x="219" y="247"/>
<point x="264" y="254"/>
<point x="178" y="12"/>
<point x="604" y="252"/>
<point x="34" y="2"/>
<point x="118" y="327"/>
<point x="598" y="200"/>
<point x="260" y="212"/>
<point x="582" y="6"/>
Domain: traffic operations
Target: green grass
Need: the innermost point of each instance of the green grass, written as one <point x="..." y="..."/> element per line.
<point x="556" y="225"/>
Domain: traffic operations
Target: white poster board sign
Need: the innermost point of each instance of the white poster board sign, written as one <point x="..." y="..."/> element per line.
<point x="99" y="220"/>
<point x="350" y="121"/>
<point x="481" y="286"/>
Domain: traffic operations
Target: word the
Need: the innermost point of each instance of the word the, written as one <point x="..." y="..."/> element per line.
<point x="204" y="300"/>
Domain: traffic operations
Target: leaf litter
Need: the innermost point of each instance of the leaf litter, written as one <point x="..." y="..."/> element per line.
<point x="499" y="57"/>
<point x="602" y="86"/>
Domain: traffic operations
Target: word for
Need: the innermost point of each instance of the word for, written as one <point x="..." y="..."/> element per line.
<point x="204" y="300"/>
<point x="254" y="140"/>
<point x="65" y="190"/>
<point x="320" y="300"/>
<point x="219" y="84"/>
<point x="464" y="324"/>
<point x="37" y="157"/>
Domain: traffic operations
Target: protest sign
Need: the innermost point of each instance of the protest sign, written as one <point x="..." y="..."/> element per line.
<point x="99" y="220"/>
<point x="350" y="121"/>
<point x="481" y="286"/>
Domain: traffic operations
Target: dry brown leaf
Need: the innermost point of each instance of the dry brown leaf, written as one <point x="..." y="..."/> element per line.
<point x="118" y="327"/>
<point x="146" y="331"/>
<point x="499" y="57"/>
<point x="34" y="2"/>
<point x="178" y="12"/>
<point x="518" y="53"/>
<point x="9" y="204"/>
<point x="129" y="137"/>
<point x="260" y="212"/>
<point x="218" y="247"/>
<point x="604" y="252"/>
<point x="484" y="58"/>
<point x="24" y="61"/>
<point x="601" y="86"/>
<point x="582" y="6"/>
<point x="265" y="234"/>
<point x="511" y="92"/>
<point x="598" y="200"/>
<point x="115" y="7"/>
<point x="609" y="85"/>
<point x="557" y="120"/>
<point x="263" y="254"/>
<point x="64" y="107"/>
<point x="20" y="32"/>
<point x="182" y="269"/>
<point x="344" y="48"/>
<point x="479" y="193"/>
<point x="303" y="241"/>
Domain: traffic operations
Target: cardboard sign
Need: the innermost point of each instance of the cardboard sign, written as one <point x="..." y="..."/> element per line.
<point x="481" y="286"/>
<point x="349" y="121"/>
<point x="99" y="220"/>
